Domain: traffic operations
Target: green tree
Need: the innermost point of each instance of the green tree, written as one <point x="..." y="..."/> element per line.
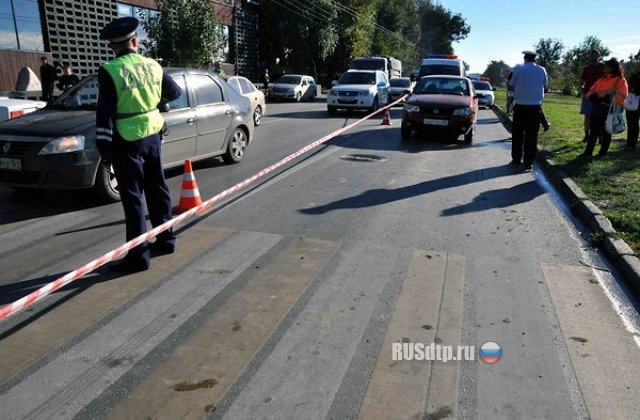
<point x="576" y="59"/>
<point x="440" y="28"/>
<point x="397" y="32"/>
<point x="549" y="55"/>
<point x="183" y="33"/>
<point x="495" y="72"/>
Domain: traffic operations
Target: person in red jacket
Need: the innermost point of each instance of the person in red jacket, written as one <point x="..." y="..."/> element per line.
<point x="612" y="87"/>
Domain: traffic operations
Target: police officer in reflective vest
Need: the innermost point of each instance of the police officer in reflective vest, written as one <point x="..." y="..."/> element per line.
<point x="128" y="125"/>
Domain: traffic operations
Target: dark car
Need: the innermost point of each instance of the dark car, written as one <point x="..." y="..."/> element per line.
<point x="54" y="148"/>
<point x="444" y="104"/>
<point x="400" y="86"/>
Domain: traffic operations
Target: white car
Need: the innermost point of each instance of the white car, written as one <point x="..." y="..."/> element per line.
<point x="293" y="87"/>
<point x="486" y="97"/>
<point x="359" y="89"/>
<point x="244" y="87"/>
<point x="12" y="108"/>
<point x="400" y="86"/>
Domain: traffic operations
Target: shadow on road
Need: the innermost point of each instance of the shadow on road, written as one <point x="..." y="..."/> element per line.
<point x="486" y="200"/>
<point x="496" y="199"/>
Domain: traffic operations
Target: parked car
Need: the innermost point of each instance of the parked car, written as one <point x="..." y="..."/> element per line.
<point x="359" y="89"/>
<point x="13" y="108"/>
<point x="293" y="87"/>
<point x="445" y="104"/>
<point x="54" y="148"/>
<point x="486" y="97"/>
<point x="400" y="86"/>
<point x="244" y="87"/>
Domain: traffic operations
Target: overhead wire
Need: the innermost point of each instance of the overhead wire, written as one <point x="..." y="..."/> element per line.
<point x="309" y="13"/>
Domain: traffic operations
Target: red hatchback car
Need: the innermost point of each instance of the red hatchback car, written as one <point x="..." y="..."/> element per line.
<point x="444" y="104"/>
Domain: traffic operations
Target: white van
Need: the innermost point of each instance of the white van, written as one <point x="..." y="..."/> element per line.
<point x="448" y="65"/>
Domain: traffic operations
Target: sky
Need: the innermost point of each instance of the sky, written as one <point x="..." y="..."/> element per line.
<point x="501" y="30"/>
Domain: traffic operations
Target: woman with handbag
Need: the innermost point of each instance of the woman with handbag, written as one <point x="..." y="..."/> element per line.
<point x="633" y="115"/>
<point x="607" y="92"/>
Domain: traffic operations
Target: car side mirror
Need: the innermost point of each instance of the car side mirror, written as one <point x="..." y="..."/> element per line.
<point x="333" y="83"/>
<point x="476" y="96"/>
<point x="164" y="107"/>
<point x="495" y="89"/>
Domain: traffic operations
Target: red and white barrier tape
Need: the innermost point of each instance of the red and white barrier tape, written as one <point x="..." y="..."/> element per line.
<point x="33" y="297"/>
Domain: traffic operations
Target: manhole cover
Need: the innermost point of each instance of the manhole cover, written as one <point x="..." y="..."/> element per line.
<point x="364" y="158"/>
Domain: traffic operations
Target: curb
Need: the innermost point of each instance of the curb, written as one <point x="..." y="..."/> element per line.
<point x="616" y="249"/>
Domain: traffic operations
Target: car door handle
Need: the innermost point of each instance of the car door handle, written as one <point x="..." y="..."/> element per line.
<point x="229" y="112"/>
<point x="191" y="120"/>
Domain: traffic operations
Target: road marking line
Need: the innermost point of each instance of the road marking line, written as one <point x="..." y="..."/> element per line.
<point x="210" y="361"/>
<point x="40" y="336"/>
<point x="604" y="354"/>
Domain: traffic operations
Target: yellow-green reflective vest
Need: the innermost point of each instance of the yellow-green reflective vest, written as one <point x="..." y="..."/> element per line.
<point x="138" y="83"/>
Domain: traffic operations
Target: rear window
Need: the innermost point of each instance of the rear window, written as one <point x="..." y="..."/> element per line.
<point x="207" y="91"/>
<point x="371" y="64"/>
<point x="400" y="82"/>
<point x="436" y="69"/>
<point x="482" y="86"/>
<point x="246" y="86"/>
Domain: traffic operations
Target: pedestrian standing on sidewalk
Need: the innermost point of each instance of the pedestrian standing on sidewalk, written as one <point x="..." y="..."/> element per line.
<point x="128" y="125"/>
<point x="589" y="75"/>
<point x="612" y="87"/>
<point x="633" y="117"/>
<point x="529" y="82"/>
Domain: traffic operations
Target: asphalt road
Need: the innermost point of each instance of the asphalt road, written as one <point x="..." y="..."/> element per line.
<point x="286" y="300"/>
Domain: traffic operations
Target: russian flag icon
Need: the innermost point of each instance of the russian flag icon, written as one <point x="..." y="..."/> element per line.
<point x="490" y="353"/>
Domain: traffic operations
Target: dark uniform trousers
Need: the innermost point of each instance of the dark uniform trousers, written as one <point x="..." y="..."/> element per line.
<point x="524" y="133"/>
<point x="138" y="170"/>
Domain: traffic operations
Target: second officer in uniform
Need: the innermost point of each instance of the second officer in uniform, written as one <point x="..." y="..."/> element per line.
<point x="128" y="126"/>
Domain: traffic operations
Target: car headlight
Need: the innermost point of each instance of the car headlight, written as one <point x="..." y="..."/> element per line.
<point x="411" y="108"/>
<point x="365" y="93"/>
<point x="462" y="112"/>
<point x="63" y="145"/>
<point x="290" y="91"/>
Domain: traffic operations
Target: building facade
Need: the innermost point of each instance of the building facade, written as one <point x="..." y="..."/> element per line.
<point x="67" y="31"/>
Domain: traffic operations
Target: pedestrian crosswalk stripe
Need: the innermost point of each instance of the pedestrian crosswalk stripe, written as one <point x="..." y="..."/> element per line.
<point x="190" y="382"/>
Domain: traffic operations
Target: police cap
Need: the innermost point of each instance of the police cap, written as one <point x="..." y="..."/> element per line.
<point x="120" y="30"/>
<point x="529" y="52"/>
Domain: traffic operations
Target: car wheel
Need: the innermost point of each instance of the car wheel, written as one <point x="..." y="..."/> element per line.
<point x="374" y="107"/>
<point x="235" y="149"/>
<point x="332" y="110"/>
<point x="405" y="132"/>
<point x="106" y="186"/>
<point x="468" y="138"/>
<point x="257" y="115"/>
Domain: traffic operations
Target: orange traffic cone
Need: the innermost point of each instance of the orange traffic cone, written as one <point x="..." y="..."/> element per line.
<point x="387" y="118"/>
<point x="190" y="196"/>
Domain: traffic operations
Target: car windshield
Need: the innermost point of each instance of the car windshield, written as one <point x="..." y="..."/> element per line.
<point x="289" y="80"/>
<point x="83" y="96"/>
<point x="357" y="78"/>
<point x="442" y="86"/>
<point x="400" y="82"/>
<point x="482" y="86"/>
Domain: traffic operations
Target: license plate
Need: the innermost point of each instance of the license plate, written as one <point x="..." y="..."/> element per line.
<point x="431" y="121"/>
<point x="11" y="164"/>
